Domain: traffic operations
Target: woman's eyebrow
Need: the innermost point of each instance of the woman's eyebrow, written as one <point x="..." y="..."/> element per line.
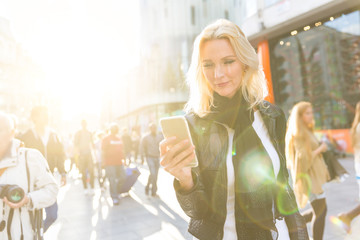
<point x="209" y="60"/>
<point x="230" y="56"/>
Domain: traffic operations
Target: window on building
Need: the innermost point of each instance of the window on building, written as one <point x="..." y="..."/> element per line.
<point x="320" y="63"/>
<point x="192" y="10"/>
<point x="250" y="8"/>
<point x="204" y="7"/>
<point x="226" y="14"/>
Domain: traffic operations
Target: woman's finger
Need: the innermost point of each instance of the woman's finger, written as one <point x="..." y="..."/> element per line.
<point x="181" y="156"/>
<point x="165" y="143"/>
<point x="186" y="161"/>
<point x="172" y="151"/>
<point x="180" y="170"/>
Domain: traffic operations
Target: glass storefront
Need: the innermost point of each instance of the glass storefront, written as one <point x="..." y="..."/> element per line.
<point x="320" y="63"/>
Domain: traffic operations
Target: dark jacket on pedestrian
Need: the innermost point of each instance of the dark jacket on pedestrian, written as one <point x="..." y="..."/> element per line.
<point x="206" y="202"/>
<point x="127" y="143"/>
<point x="53" y="150"/>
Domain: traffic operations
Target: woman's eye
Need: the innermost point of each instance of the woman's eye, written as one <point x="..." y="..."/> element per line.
<point x="207" y="65"/>
<point x="229" y="61"/>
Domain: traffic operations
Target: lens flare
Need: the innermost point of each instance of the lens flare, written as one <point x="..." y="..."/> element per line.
<point x="337" y="222"/>
<point x="256" y="170"/>
<point x="282" y="201"/>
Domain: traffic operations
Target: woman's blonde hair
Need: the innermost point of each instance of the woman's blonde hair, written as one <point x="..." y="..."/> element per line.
<point x="355" y="124"/>
<point x="253" y="86"/>
<point x="298" y="129"/>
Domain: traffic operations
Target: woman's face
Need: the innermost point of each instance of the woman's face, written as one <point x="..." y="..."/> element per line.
<point x="308" y="116"/>
<point x="220" y="66"/>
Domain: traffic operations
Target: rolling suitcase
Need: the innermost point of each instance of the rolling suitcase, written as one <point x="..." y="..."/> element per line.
<point x="132" y="174"/>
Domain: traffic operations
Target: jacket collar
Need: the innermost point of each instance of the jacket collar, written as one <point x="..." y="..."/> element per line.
<point x="269" y="109"/>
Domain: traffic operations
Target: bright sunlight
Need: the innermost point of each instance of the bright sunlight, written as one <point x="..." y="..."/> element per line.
<point x="83" y="47"/>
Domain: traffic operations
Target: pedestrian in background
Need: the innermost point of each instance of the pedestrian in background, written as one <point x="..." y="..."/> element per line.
<point x="355" y="137"/>
<point x="47" y="141"/>
<point x="308" y="169"/>
<point x="98" y="158"/>
<point x="84" y="147"/>
<point x="28" y="169"/>
<point x="127" y="143"/>
<point x="240" y="188"/>
<point x="113" y="160"/>
<point x="149" y="148"/>
<point x="135" y="139"/>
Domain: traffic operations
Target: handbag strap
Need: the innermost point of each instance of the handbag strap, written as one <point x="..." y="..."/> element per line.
<point x="28" y="190"/>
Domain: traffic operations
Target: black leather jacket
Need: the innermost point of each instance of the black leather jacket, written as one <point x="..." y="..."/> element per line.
<point x="205" y="203"/>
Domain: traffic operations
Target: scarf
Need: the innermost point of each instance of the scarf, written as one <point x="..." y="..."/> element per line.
<point x="254" y="174"/>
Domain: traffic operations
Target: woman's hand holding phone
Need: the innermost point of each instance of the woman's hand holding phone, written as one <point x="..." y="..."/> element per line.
<point x="175" y="158"/>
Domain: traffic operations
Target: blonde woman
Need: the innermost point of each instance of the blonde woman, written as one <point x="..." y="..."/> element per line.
<point x="355" y="137"/>
<point x="308" y="169"/>
<point x="240" y="188"/>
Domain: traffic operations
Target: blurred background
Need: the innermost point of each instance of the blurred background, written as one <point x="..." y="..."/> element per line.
<point x="126" y="61"/>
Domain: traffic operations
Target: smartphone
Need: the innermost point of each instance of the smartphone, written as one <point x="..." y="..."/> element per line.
<point x="177" y="126"/>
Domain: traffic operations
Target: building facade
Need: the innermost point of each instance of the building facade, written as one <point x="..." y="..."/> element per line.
<point x="20" y="78"/>
<point x="313" y="55"/>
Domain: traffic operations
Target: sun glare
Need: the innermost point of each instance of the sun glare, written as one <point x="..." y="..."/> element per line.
<point x="83" y="49"/>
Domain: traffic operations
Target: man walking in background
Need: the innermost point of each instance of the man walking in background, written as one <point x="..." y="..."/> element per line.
<point x="127" y="145"/>
<point x="44" y="139"/>
<point x="149" y="148"/>
<point x="84" y="145"/>
<point x="113" y="158"/>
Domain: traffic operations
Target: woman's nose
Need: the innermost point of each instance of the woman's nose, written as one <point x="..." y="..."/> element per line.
<point x="219" y="72"/>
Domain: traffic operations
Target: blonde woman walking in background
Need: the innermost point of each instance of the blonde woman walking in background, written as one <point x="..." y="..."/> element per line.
<point x="307" y="166"/>
<point x="355" y="137"/>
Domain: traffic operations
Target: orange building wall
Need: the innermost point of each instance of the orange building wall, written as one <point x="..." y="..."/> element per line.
<point x="264" y="58"/>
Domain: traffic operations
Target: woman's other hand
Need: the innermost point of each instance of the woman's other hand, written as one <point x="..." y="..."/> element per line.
<point x="323" y="147"/>
<point x="175" y="158"/>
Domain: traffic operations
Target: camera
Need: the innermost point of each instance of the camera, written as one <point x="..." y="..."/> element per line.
<point x="13" y="193"/>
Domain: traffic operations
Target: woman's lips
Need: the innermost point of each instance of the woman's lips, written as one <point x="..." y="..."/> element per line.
<point x="222" y="84"/>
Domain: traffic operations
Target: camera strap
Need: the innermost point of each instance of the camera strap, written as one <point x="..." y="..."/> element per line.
<point x="10" y="218"/>
<point x="36" y="221"/>
<point x="28" y="190"/>
<point x="9" y="221"/>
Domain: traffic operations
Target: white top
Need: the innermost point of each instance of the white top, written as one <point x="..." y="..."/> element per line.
<point x="263" y="134"/>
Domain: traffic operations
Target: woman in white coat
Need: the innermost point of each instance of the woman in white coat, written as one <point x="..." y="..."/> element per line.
<point x="17" y="165"/>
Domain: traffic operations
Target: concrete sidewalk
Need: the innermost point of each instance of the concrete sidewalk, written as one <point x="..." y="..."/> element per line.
<point x="138" y="216"/>
<point x="342" y="197"/>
